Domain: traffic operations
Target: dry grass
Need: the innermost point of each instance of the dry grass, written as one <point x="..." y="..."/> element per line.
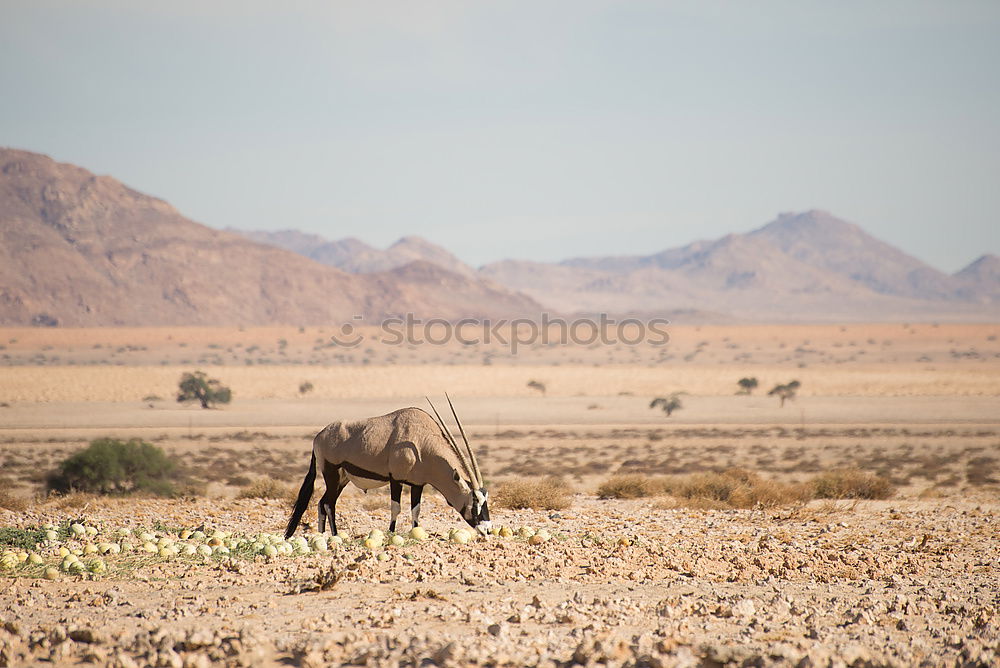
<point x="14" y="502"/>
<point x="546" y="494"/>
<point x="850" y="484"/>
<point x="266" y="488"/>
<point x="735" y="488"/>
<point x="632" y="486"/>
<point x="77" y="501"/>
<point x="740" y="488"/>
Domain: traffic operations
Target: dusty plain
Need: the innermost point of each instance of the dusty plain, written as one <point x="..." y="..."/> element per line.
<point x="909" y="580"/>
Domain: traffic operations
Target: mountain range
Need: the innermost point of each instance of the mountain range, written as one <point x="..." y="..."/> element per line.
<point x="78" y="249"/>
<point x="802" y="266"/>
<point x="83" y="250"/>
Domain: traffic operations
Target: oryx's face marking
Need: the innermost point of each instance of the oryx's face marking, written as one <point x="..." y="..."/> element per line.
<point x="476" y="510"/>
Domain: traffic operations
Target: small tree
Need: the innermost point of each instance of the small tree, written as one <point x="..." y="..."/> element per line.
<point x="668" y="404"/>
<point x="110" y="466"/>
<point x="537" y="385"/>
<point x="747" y="385"/>
<point x="199" y="387"/>
<point x="786" y="391"/>
<point x="305" y="387"/>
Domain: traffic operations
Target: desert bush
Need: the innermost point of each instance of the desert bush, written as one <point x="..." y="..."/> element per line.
<point x="633" y="486"/>
<point x="982" y="471"/>
<point x="747" y="385"/>
<point x="546" y="494"/>
<point x="850" y="484"/>
<point x="537" y="385"/>
<point x="265" y="488"/>
<point x="74" y="501"/>
<point x="305" y="387"/>
<point x="11" y="501"/>
<point x="736" y="488"/>
<point x="668" y="404"/>
<point x="786" y="391"/>
<point x="110" y="466"/>
<point x="199" y="387"/>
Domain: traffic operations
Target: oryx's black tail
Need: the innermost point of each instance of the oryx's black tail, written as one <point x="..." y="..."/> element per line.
<point x="305" y="493"/>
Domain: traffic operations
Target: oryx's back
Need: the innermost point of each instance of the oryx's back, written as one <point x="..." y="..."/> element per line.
<point x="396" y="443"/>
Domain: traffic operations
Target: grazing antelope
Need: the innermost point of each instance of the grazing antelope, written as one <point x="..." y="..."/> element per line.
<point x="408" y="447"/>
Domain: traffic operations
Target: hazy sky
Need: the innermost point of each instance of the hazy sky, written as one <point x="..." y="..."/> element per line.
<point x="537" y="130"/>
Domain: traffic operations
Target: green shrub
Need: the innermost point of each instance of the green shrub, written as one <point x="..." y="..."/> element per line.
<point x="110" y="466"/>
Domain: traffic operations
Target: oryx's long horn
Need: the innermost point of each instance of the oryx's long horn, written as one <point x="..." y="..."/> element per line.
<point x="444" y="428"/>
<point x="472" y="455"/>
<point x="451" y="441"/>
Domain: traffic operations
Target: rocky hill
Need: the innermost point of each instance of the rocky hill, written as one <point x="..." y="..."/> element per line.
<point x="83" y="250"/>
<point x="808" y="266"/>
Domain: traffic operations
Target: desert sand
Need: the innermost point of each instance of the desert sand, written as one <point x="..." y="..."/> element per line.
<point x="907" y="580"/>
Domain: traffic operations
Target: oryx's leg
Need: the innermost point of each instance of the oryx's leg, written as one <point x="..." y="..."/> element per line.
<point x="336" y="481"/>
<point x="415" y="492"/>
<point x="395" y="491"/>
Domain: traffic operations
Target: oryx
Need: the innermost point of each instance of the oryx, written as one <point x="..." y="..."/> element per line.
<point x="407" y="446"/>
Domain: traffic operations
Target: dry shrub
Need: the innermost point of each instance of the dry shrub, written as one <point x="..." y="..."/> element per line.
<point x="735" y="488"/>
<point x="11" y="501"/>
<point x="374" y="501"/>
<point x="739" y="488"/>
<point x="266" y="488"/>
<point x="547" y="494"/>
<point x="850" y="484"/>
<point x="633" y="486"/>
<point x="982" y="471"/>
<point x="190" y="489"/>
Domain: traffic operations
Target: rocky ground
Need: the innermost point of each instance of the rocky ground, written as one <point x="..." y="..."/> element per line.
<point x="900" y="582"/>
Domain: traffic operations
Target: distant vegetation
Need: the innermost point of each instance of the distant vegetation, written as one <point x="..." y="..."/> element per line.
<point x="110" y="466"/>
<point x="537" y="385"/>
<point x="305" y="387"/>
<point x="747" y="385"/>
<point x="199" y="387"/>
<point x="668" y="404"/>
<point x="786" y="391"/>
